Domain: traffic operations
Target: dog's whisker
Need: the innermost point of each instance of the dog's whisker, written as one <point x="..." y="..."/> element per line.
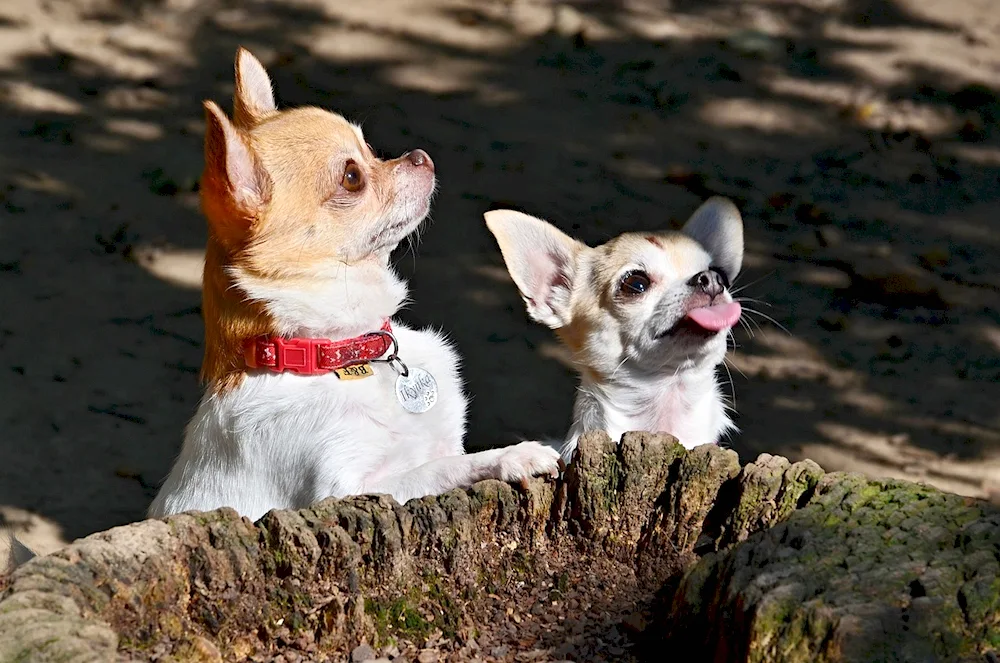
<point x="731" y="336"/>
<point x="729" y="361"/>
<point x="746" y="325"/>
<point x="751" y="299"/>
<point x="769" y="319"/>
<point x="733" y="290"/>
<point x="732" y="385"/>
<point x="747" y="320"/>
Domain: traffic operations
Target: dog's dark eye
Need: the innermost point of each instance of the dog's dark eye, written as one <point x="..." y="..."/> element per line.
<point x="354" y="177"/>
<point x="634" y="283"/>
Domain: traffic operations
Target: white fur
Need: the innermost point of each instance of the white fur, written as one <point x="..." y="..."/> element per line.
<point x="287" y="441"/>
<point x="650" y="379"/>
<point x="660" y="385"/>
<point x="688" y="405"/>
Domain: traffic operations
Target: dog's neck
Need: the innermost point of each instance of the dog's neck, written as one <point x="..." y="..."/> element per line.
<point x="686" y="404"/>
<point x="351" y="300"/>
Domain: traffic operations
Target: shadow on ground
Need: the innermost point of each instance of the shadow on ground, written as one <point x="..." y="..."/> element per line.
<point x="860" y="141"/>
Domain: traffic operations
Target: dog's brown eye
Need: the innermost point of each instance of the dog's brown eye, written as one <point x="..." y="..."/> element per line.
<point x="354" y="177"/>
<point x="634" y="283"/>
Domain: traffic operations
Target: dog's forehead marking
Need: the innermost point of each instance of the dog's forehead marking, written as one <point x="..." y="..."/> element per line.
<point x="672" y="254"/>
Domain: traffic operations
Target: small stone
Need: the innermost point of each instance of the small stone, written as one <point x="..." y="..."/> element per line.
<point x="755" y="44"/>
<point x="829" y="235"/>
<point x="566" y="21"/>
<point x="804" y="244"/>
<point x="204" y="650"/>
<point x="831" y="321"/>
<point x="428" y="656"/>
<point x="467" y="18"/>
<point x="779" y="202"/>
<point x="881" y="250"/>
<point x="898" y="439"/>
<point x="363" y="652"/>
<point x="883" y="278"/>
<point x="635" y="623"/>
<point x="934" y="257"/>
<point x="681" y="175"/>
<point x="812" y="214"/>
<point x="392" y="651"/>
<point x="895" y="350"/>
<point x="973" y="130"/>
<point x="860" y="111"/>
<point x="126" y="472"/>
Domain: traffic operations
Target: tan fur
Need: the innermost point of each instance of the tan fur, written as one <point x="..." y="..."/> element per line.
<point x="593" y="308"/>
<point x="303" y="219"/>
<point x="645" y="317"/>
<point x="295" y="216"/>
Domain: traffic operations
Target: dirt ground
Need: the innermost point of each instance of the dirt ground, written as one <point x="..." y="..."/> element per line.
<point x="861" y="139"/>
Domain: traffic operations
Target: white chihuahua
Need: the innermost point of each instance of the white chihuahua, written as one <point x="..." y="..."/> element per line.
<point x="313" y="391"/>
<point x="646" y="317"/>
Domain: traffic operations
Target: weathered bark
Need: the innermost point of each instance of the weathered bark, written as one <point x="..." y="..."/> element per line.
<point x="863" y="571"/>
<point x="771" y="562"/>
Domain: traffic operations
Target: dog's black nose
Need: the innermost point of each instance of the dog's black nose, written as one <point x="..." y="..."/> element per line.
<point x="419" y="158"/>
<point x="710" y="282"/>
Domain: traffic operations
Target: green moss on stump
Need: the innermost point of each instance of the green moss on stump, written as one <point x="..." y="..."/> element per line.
<point x="863" y="571"/>
<point x="773" y="561"/>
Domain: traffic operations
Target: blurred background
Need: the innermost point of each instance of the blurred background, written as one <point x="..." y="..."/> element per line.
<point x="860" y="138"/>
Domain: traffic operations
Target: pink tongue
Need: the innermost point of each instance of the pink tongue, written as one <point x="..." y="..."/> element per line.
<point x="716" y="318"/>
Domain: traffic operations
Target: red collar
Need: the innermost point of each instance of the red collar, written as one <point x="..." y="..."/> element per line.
<point x="314" y="356"/>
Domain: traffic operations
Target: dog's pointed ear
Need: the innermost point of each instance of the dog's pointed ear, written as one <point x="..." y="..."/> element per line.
<point x="253" y="99"/>
<point x="718" y="227"/>
<point x="234" y="186"/>
<point x="541" y="260"/>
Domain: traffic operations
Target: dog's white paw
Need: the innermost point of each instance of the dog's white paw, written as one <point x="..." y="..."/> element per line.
<point x="522" y="461"/>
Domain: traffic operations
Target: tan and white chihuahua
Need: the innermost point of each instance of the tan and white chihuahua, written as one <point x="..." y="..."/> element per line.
<point x="645" y="316"/>
<point x="312" y="389"/>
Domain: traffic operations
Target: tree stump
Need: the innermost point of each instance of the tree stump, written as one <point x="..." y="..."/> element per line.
<point x="642" y="548"/>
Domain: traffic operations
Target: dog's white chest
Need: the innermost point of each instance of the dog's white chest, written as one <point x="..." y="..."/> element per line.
<point x="287" y="441"/>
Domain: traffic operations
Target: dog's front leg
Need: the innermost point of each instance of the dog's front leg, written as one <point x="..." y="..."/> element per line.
<point x="513" y="463"/>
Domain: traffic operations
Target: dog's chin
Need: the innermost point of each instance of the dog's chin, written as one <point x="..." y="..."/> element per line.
<point x="682" y="351"/>
<point x="394" y="230"/>
<point x="686" y="343"/>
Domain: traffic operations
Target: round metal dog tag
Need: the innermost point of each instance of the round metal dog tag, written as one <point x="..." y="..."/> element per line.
<point x="417" y="391"/>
